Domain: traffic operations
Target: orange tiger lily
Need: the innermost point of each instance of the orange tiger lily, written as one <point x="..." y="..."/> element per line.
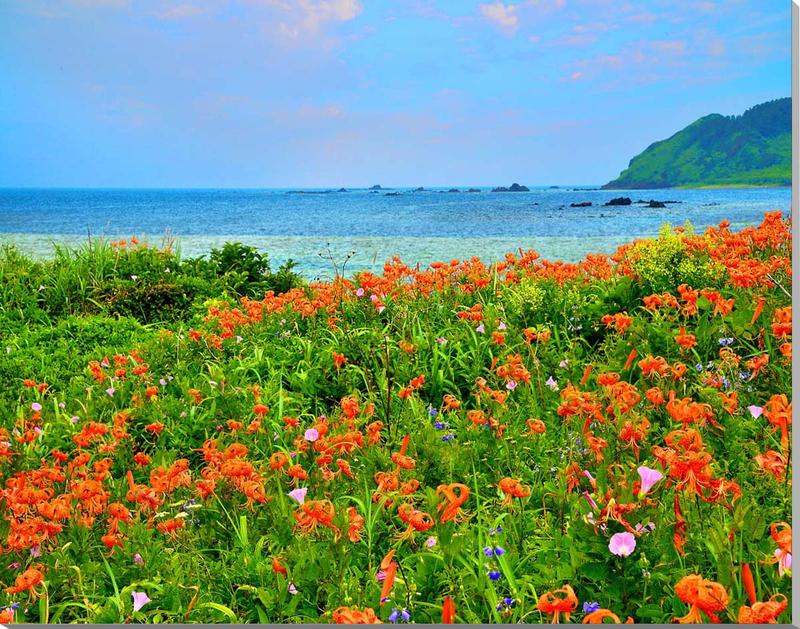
<point x="558" y="602"/>
<point x="513" y="489"/>
<point x="356" y="524"/>
<point x="778" y="410"/>
<point x="597" y="617"/>
<point x="455" y="495"/>
<point x="313" y="513"/>
<point x="703" y="596"/>
<point x="278" y="567"/>
<point x="28" y="580"/>
<point x="418" y="521"/>
<point x="763" y="613"/>
<point x="353" y="616"/>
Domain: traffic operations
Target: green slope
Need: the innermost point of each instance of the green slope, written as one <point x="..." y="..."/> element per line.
<point x="752" y="149"/>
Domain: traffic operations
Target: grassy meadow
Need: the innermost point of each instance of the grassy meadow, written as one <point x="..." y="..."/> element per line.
<point x="213" y="440"/>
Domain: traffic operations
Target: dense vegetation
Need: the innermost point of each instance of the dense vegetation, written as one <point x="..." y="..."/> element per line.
<point x="205" y="440"/>
<point x="752" y="149"/>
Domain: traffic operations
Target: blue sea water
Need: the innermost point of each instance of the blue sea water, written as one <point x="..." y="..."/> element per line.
<point x="318" y="228"/>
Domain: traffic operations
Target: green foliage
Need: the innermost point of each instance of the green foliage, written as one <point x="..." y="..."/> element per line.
<point x="150" y="285"/>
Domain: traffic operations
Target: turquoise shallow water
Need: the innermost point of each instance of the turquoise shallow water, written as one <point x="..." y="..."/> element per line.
<point x="370" y="226"/>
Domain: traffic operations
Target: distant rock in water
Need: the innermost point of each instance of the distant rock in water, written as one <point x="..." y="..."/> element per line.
<point x="656" y="204"/>
<point x="342" y="190"/>
<point x="391" y="194"/>
<point x="376" y="187"/>
<point x="582" y="204"/>
<point x="515" y="187"/>
<point x="473" y="190"/>
<point x="420" y="189"/>
<point x="454" y="190"/>
<point x="643" y="202"/>
<point x="553" y="187"/>
<point x="309" y="191"/>
<point x="620" y="201"/>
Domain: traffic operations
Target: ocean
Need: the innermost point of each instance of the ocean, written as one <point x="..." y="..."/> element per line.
<point x="360" y="229"/>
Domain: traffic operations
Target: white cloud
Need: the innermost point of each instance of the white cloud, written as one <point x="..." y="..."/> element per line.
<point x="504" y="15"/>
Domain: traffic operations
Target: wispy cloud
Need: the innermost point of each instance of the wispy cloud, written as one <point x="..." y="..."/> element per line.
<point x="503" y="15"/>
<point x="301" y="18"/>
<point x="93" y="4"/>
<point x="180" y="11"/>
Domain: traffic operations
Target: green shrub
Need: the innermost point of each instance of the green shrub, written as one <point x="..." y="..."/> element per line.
<point x="663" y="263"/>
<point x="243" y="271"/>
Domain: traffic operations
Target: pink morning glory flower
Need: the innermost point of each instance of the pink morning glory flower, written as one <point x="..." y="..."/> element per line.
<point x="649" y="478"/>
<point x="36" y="407"/>
<point x="622" y="544"/>
<point x="552" y="384"/>
<point x="784" y="562"/>
<point x="441" y="340"/>
<point x="755" y="411"/>
<point x="111" y="391"/>
<point x="360" y="292"/>
<point x="511" y="385"/>
<point x="312" y="434"/>
<point x="299" y="494"/>
<point x="140" y="599"/>
<point x="480" y="329"/>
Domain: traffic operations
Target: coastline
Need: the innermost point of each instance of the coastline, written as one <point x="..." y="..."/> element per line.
<point x="712" y="186"/>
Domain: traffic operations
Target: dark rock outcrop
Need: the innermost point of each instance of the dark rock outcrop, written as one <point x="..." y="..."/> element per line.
<point x="515" y="187"/>
<point x="620" y="201"/>
<point x="643" y="202"/>
<point x="582" y="204"/>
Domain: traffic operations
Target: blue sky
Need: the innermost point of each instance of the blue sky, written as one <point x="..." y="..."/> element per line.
<point x="319" y="93"/>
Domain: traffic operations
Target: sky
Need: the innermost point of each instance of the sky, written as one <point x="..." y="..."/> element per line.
<point x="329" y="93"/>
